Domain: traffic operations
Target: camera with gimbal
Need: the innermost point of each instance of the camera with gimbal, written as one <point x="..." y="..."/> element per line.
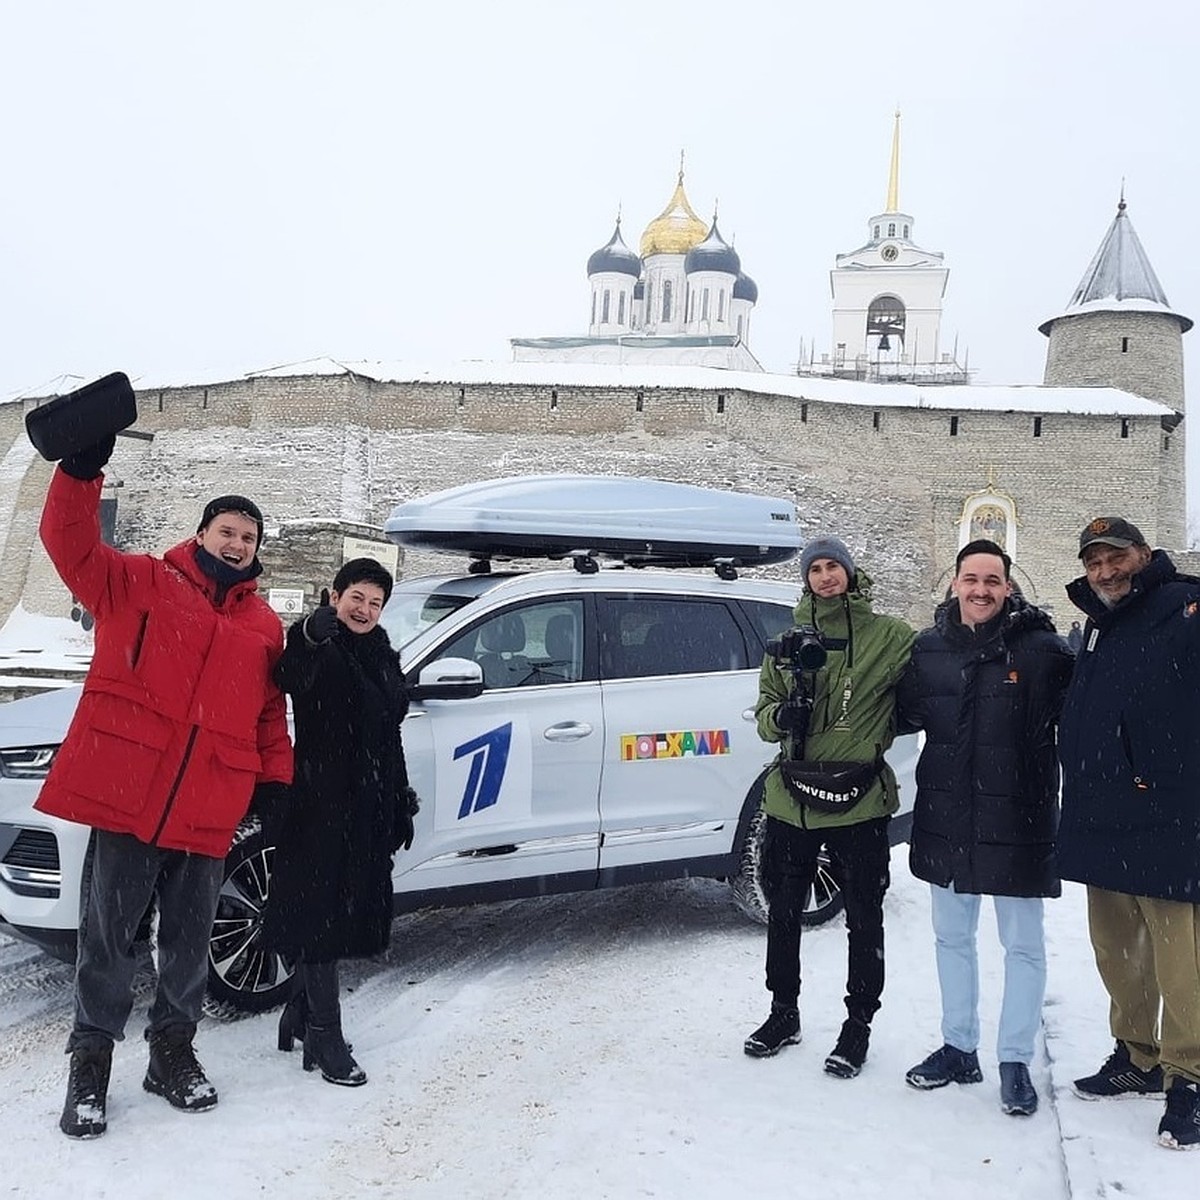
<point x="803" y="648"/>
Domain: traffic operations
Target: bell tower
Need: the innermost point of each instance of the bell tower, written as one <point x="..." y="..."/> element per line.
<point x="887" y="301"/>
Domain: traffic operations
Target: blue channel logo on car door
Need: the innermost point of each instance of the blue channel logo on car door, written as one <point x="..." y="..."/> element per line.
<point x="489" y="758"/>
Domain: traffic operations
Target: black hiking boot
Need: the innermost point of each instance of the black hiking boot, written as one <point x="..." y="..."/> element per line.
<point x="1180" y="1127"/>
<point x="944" y="1066"/>
<point x="847" y="1057"/>
<point x="326" y="1049"/>
<point x="174" y="1071"/>
<point x="1118" y="1078"/>
<point x="1018" y="1096"/>
<point x="781" y="1028"/>
<point x="85" y="1113"/>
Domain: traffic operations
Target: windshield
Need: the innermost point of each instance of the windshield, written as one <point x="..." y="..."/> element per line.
<point x="408" y="614"/>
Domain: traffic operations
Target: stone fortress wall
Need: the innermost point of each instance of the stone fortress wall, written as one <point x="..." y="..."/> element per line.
<point x="327" y="454"/>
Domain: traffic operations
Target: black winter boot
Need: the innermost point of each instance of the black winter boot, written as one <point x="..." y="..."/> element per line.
<point x="174" y="1071"/>
<point x="847" y="1057"/>
<point x="781" y="1028"/>
<point x="85" y="1113"/>
<point x="324" y="1046"/>
<point x="326" y="1049"/>
<point x="293" y="1021"/>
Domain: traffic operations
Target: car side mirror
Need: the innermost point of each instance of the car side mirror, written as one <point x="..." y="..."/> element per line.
<point x="448" y="679"/>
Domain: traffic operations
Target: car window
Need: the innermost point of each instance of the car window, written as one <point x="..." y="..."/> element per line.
<point x="646" y="635"/>
<point x="410" y="613"/>
<point x="525" y="646"/>
<point x="769" y="619"/>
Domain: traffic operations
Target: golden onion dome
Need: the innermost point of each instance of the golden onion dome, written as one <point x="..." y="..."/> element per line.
<point x="676" y="229"/>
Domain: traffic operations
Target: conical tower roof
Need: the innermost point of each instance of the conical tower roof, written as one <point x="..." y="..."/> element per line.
<point x="676" y="229"/>
<point x="1119" y="278"/>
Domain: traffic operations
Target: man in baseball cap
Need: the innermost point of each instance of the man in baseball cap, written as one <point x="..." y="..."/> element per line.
<point x="1129" y="743"/>
<point x="1110" y="531"/>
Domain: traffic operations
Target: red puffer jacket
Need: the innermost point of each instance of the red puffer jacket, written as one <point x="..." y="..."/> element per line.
<point x="179" y="716"/>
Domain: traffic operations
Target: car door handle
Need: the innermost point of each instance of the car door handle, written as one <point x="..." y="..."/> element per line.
<point x="567" y="731"/>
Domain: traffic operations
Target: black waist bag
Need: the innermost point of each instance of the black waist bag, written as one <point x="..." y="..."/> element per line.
<point x="829" y="787"/>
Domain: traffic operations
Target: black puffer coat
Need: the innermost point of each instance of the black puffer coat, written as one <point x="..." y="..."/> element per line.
<point x="987" y="779"/>
<point x="1131" y="740"/>
<point x="331" y="892"/>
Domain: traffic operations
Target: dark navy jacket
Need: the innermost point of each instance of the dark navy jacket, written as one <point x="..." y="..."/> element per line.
<point x="987" y="779"/>
<point x="1130" y="740"/>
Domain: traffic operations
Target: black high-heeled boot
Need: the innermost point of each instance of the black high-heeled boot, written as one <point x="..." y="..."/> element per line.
<point x="324" y="1045"/>
<point x="326" y="1049"/>
<point x="293" y="1021"/>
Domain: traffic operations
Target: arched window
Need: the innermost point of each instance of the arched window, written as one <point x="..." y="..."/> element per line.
<point x="739" y="325"/>
<point x="593" y="308"/>
<point x="721" y="305"/>
<point x="891" y="229"/>
<point x="704" y="306"/>
<point x="649" y="310"/>
<point x="906" y="231"/>
<point x="604" y="310"/>
<point x="666" y="300"/>
<point x="621" y="309"/>
<point x="885" y="319"/>
<point x="877" y="233"/>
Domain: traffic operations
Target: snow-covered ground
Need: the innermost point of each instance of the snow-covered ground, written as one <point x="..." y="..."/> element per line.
<point x="590" y="1047"/>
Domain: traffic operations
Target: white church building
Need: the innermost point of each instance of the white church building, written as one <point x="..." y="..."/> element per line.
<point x="681" y="300"/>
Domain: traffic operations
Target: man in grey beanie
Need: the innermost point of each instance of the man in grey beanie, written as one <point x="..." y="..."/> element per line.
<point x="838" y="717"/>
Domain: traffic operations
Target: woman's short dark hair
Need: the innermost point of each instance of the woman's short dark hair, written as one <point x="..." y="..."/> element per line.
<point x="983" y="546"/>
<point x="363" y="570"/>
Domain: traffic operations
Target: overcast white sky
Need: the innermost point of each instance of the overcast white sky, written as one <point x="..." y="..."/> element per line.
<point x="238" y="184"/>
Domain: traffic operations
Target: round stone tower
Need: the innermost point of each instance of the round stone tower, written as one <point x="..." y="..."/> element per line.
<point x="1120" y="331"/>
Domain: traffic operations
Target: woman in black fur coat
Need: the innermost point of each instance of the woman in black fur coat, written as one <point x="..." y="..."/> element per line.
<point x="351" y="808"/>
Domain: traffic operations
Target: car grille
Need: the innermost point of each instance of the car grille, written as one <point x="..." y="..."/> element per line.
<point x="31" y="866"/>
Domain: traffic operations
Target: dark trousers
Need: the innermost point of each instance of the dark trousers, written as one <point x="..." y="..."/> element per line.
<point x="861" y="858"/>
<point x="123" y="877"/>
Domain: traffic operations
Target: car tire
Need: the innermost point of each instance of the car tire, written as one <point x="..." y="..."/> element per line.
<point x="824" y="902"/>
<point x="244" y="976"/>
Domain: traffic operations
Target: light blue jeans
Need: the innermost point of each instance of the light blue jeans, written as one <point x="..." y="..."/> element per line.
<point x="1019" y="924"/>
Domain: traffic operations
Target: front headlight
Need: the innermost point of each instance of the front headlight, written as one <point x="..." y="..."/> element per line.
<point x="27" y="762"/>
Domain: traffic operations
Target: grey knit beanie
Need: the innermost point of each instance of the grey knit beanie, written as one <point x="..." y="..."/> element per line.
<point x="826" y="547"/>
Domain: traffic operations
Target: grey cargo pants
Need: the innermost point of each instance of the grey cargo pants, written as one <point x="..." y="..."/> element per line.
<point x="125" y="875"/>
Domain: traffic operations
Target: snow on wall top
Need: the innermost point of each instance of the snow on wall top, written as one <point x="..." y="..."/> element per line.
<point x="1094" y="401"/>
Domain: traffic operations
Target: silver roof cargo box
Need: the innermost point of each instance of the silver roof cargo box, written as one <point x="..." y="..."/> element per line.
<point x="642" y="522"/>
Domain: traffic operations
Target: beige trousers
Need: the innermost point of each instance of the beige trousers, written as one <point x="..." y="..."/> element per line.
<point x="1148" y="955"/>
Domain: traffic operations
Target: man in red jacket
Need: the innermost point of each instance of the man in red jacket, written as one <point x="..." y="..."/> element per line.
<point x="178" y="726"/>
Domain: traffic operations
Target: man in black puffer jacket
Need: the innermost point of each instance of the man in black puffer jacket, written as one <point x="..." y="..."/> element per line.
<point x="1131" y="814"/>
<point x="986" y="683"/>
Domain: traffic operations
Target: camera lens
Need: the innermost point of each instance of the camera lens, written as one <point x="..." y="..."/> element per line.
<point x="810" y="654"/>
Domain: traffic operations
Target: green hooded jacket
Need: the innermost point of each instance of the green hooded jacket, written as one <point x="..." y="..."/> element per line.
<point x="853" y="713"/>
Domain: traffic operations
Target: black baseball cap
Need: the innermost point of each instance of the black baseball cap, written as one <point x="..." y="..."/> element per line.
<point x="1110" y="531"/>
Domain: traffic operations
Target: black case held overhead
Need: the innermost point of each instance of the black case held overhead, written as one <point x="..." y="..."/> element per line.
<point x="81" y="418"/>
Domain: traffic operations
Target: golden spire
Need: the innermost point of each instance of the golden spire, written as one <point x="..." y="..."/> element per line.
<point x="893" y="196"/>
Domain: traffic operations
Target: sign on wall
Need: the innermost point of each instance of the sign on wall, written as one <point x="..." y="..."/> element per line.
<point x="384" y="553"/>
<point x="287" y="602"/>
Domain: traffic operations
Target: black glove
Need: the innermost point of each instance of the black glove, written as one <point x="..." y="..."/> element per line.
<point x="269" y="803"/>
<point x="407" y="807"/>
<point x="792" y="716"/>
<point x="322" y="624"/>
<point x="89" y="462"/>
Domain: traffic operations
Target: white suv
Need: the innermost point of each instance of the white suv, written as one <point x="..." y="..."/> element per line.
<point x="568" y="731"/>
